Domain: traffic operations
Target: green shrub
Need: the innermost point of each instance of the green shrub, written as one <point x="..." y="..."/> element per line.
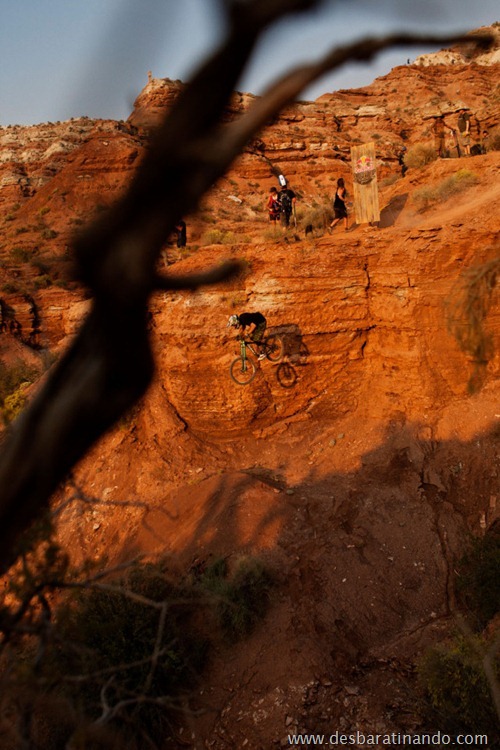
<point x="428" y="196"/>
<point x="14" y="380"/>
<point x="494" y="140"/>
<point x="390" y="180"/>
<point x="11" y="377"/>
<point x="219" y="237"/>
<point x="242" y="596"/>
<point x="319" y="215"/>
<point x="49" y="234"/>
<point x="42" y="282"/>
<point x="104" y="633"/>
<point x="14" y="403"/>
<point x="478" y="579"/>
<point x="420" y="154"/>
<point x="12" y="287"/>
<point x="21" y="254"/>
<point x="456" y="690"/>
<point x="41" y="265"/>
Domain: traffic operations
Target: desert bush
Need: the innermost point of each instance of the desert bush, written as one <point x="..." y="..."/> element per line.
<point x="135" y="645"/>
<point x="14" y="403"/>
<point x="273" y="233"/>
<point x="494" y="140"/>
<point x="428" y="196"/>
<point x="11" y="377"/>
<point x="21" y="254"/>
<point x="12" y="287"/>
<point x="114" y="642"/>
<point x="42" y="282"/>
<point x="319" y="215"/>
<point x="241" y="597"/>
<point x="49" y="234"/>
<point x="13" y="382"/>
<point x="419" y="155"/>
<point x="390" y="180"/>
<point x="219" y="237"/>
<point x="41" y="265"/>
<point x="478" y="579"/>
<point x="456" y="690"/>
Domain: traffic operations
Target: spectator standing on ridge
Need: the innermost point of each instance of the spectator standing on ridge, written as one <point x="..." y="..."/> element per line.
<point x="273" y="205"/>
<point x="287" y="199"/>
<point x="439" y="129"/>
<point x="180" y="228"/>
<point x="339" y="206"/>
<point x="463" y="124"/>
<point x="401" y="161"/>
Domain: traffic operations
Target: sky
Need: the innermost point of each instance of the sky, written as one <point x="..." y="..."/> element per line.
<point x="68" y="58"/>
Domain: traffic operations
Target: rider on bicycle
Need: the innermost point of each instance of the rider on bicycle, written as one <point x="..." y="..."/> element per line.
<point x="247" y="320"/>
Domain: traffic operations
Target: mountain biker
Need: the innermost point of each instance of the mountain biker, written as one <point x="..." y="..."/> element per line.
<point x="255" y="322"/>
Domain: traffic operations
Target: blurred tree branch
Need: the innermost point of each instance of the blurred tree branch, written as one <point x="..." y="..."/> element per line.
<point x="109" y="365"/>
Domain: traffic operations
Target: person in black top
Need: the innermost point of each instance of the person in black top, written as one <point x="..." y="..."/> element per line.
<point x="180" y="228"/>
<point x="255" y="322"/>
<point x="287" y="200"/>
<point x="339" y="206"/>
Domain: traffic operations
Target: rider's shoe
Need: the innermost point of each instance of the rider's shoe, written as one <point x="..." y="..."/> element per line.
<point x="261" y="356"/>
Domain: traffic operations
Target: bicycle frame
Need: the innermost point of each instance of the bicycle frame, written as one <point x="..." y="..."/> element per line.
<point x="248" y="343"/>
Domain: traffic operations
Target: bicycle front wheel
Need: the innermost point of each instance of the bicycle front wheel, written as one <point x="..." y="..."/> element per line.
<point x="274" y="348"/>
<point x="242" y="370"/>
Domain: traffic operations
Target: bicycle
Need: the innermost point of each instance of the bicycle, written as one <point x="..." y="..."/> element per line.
<point x="243" y="369"/>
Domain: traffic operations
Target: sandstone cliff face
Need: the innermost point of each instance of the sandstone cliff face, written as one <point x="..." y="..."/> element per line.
<point x="363" y="319"/>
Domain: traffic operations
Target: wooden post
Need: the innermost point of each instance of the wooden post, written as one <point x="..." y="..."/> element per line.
<point x="366" y="204"/>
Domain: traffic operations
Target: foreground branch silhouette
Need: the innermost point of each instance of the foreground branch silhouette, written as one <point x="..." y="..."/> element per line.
<point x="109" y="365"/>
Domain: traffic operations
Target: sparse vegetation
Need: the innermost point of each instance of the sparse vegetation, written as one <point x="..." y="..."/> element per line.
<point x="456" y="689"/>
<point x="478" y="579"/>
<point x="419" y="155"/>
<point x="13" y="382"/>
<point x="220" y="237"/>
<point x="390" y="180"/>
<point x="49" y="234"/>
<point x="129" y="649"/>
<point x="430" y="195"/>
<point x="319" y="215"/>
<point x="21" y="254"/>
<point x="242" y="598"/>
<point x="42" y="282"/>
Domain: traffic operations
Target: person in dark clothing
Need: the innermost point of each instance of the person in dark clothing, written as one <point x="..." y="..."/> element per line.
<point x="439" y="127"/>
<point x="287" y="199"/>
<point x="339" y="206"/>
<point x="180" y="228"/>
<point x="401" y="161"/>
<point x="255" y="322"/>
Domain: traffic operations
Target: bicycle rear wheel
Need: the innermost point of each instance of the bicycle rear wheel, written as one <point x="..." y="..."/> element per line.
<point x="274" y="348"/>
<point x="242" y="370"/>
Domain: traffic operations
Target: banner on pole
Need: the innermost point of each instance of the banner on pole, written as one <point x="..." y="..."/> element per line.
<point x="364" y="172"/>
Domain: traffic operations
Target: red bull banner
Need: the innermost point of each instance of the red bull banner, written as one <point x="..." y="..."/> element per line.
<point x="366" y="205"/>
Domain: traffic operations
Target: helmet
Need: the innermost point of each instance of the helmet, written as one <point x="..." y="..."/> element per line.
<point x="233" y="321"/>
